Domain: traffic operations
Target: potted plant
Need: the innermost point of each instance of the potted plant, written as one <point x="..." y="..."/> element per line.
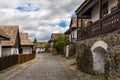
<point x="89" y="22"/>
<point x="113" y="8"/>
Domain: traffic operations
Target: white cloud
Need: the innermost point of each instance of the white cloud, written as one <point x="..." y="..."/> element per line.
<point x="39" y="23"/>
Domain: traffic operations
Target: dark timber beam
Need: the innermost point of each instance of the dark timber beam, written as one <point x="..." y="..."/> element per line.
<point x="81" y="21"/>
<point x="100" y="8"/>
<point x="100" y="13"/>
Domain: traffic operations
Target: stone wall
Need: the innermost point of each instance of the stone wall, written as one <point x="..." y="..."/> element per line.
<point x="112" y="56"/>
<point x="72" y="49"/>
<point x="84" y="58"/>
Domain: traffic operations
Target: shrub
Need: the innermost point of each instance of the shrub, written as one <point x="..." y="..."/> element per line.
<point x="59" y="45"/>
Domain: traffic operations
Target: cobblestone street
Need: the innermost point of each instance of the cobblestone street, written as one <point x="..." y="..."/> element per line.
<point x="45" y="67"/>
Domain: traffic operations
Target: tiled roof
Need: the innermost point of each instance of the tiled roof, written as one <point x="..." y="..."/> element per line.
<point x="25" y="41"/>
<point x="11" y="31"/>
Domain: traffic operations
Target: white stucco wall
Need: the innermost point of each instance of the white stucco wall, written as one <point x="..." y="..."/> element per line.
<point x="73" y="34"/>
<point x="110" y="4"/>
<point x="9" y="51"/>
<point x="14" y="51"/>
<point x="40" y="50"/>
<point x="27" y="50"/>
<point x="67" y="50"/>
<point x="51" y="45"/>
<point x="95" y="13"/>
<point x="6" y="51"/>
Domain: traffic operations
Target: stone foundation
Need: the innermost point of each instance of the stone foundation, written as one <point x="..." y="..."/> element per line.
<point x="112" y="56"/>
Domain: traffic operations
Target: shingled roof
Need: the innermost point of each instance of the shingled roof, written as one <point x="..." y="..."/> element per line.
<point x="10" y="31"/>
<point x="3" y="35"/>
<point x="40" y="44"/>
<point x="25" y="41"/>
<point x="56" y="35"/>
<point x="73" y="25"/>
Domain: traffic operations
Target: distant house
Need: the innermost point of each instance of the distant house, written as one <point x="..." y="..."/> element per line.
<point x="40" y="47"/>
<point x="11" y="46"/>
<point x="54" y="36"/>
<point x="71" y="37"/>
<point x="26" y="44"/>
<point x="4" y="37"/>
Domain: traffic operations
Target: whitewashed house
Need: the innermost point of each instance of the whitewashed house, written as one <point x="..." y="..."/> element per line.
<point x="26" y="44"/>
<point x="12" y="46"/>
<point x="40" y="47"/>
<point x="3" y="37"/>
<point x="105" y="18"/>
<point x="71" y="37"/>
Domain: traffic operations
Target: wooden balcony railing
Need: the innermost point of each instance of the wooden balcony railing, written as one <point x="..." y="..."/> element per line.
<point x="105" y="25"/>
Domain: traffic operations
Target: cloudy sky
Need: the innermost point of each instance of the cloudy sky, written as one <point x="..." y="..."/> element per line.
<point x="39" y="18"/>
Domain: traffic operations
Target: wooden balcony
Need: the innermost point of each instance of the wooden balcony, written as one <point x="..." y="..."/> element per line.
<point x="107" y="24"/>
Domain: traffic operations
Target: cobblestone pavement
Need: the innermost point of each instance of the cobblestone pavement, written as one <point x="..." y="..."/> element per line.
<point x="45" y="67"/>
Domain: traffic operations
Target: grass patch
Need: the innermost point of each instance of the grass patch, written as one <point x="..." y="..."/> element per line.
<point x="71" y="57"/>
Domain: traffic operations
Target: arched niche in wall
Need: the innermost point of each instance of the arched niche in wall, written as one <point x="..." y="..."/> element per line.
<point x="98" y="50"/>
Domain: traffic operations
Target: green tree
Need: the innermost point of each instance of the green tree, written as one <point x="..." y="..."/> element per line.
<point x="34" y="45"/>
<point x="59" y="44"/>
<point x="47" y="45"/>
<point x="35" y="41"/>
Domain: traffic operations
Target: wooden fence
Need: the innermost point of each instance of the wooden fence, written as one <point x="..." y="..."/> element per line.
<point x="8" y="61"/>
<point x="11" y="60"/>
<point x="25" y="57"/>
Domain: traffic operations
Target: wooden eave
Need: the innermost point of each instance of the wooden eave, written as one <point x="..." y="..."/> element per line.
<point x="26" y="45"/>
<point x="68" y="31"/>
<point x="85" y="6"/>
<point x="4" y="38"/>
<point x="50" y="41"/>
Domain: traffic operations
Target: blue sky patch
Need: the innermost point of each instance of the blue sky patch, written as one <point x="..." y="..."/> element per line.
<point x="63" y="24"/>
<point x="28" y="7"/>
<point x="73" y="15"/>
